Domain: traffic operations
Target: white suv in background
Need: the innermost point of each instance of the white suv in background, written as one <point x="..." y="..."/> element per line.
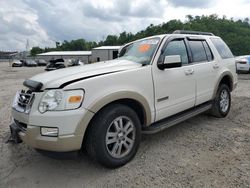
<point x="155" y="83"/>
<point x="243" y="64"/>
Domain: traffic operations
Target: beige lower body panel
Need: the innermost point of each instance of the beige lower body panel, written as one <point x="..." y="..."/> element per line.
<point x="33" y="138"/>
<point x="71" y="124"/>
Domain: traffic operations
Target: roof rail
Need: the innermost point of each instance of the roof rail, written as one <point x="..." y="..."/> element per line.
<point x="192" y="32"/>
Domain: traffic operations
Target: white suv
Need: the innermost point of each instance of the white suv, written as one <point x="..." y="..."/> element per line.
<point x="155" y="83"/>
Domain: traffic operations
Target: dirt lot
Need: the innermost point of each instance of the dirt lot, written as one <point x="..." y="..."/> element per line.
<point x="201" y="152"/>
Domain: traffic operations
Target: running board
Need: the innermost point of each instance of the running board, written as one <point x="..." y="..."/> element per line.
<point x="175" y="119"/>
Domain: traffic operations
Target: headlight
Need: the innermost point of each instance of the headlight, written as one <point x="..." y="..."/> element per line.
<point x="56" y="100"/>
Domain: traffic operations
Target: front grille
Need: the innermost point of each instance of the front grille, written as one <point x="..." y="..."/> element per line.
<point x="23" y="101"/>
<point x="24" y="98"/>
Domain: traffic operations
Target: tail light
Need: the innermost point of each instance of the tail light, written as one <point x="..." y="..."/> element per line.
<point x="242" y="62"/>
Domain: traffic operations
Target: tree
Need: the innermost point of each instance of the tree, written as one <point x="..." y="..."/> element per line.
<point x="36" y="50"/>
<point x="111" y="40"/>
<point x="236" y="33"/>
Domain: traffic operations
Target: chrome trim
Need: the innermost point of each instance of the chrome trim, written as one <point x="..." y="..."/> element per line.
<point x="23" y="101"/>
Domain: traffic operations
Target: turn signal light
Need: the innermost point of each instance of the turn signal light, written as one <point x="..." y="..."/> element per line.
<point x="75" y="99"/>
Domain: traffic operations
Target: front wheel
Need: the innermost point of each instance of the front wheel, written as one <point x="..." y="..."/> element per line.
<point x="114" y="135"/>
<point x="222" y="102"/>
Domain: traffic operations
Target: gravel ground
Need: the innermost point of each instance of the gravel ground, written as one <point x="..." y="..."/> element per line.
<point x="200" y="152"/>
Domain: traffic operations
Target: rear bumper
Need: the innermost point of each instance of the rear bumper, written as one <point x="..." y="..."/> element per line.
<point x="243" y="67"/>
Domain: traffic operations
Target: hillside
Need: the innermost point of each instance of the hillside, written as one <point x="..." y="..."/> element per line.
<point x="236" y="33"/>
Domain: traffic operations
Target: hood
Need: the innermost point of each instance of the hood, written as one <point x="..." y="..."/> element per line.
<point x="56" y="78"/>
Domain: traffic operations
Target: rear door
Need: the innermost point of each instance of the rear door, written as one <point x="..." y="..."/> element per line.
<point x="205" y="68"/>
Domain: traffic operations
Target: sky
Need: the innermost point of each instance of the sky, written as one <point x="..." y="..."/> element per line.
<point x="42" y="22"/>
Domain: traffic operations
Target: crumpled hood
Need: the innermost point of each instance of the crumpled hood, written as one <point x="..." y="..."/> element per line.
<point x="56" y="78"/>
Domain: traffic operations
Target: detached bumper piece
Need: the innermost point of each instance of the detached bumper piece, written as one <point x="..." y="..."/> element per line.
<point x="33" y="85"/>
<point x="15" y="129"/>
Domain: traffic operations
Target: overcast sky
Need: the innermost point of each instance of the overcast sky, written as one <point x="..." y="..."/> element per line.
<point x="45" y="21"/>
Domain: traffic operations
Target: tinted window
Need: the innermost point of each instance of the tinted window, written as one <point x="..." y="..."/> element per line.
<point x="177" y="47"/>
<point x="208" y="51"/>
<point x="198" y="51"/>
<point x="222" y="48"/>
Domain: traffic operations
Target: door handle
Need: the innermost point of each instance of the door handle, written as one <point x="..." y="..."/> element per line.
<point x="216" y="66"/>
<point x="189" y="71"/>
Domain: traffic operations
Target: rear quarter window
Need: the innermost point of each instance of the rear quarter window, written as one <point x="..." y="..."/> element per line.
<point x="222" y="48"/>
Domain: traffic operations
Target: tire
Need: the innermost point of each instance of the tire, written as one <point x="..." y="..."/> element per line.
<point x="111" y="151"/>
<point x="222" y="102"/>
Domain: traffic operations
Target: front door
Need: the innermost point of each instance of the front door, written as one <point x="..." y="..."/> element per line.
<point x="174" y="87"/>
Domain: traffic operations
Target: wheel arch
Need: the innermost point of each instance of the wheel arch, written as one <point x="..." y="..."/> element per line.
<point x="225" y="78"/>
<point x="134" y="100"/>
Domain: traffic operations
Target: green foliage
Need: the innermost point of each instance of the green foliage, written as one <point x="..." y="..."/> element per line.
<point x="36" y="50"/>
<point x="235" y="33"/>
<point x="75" y="45"/>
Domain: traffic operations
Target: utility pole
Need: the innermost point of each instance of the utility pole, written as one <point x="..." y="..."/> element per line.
<point x="27" y="49"/>
<point x="27" y="45"/>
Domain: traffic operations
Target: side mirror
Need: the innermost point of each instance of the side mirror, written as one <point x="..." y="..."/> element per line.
<point x="171" y="61"/>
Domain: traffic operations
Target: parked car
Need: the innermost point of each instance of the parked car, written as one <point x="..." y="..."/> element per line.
<point x="41" y="62"/>
<point x="55" y="64"/>
<point x="156" y="82"/>
<point x="75" y="63"/>
<point x="17" y="63"/>
<point x="23" y="62"/>
<point x="243" y="64"/>
<point x="30" y="63"/>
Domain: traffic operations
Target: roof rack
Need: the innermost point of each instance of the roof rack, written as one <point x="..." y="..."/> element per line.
<point x="192" y="32"/>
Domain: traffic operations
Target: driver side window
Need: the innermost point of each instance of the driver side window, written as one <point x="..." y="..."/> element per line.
<point x="177" y="47"/>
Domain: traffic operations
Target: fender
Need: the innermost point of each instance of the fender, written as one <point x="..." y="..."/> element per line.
<point x="101" y="102"/>
<point x="226" y="73"/>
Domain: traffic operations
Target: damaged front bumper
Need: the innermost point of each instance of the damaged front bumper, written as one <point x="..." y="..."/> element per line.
<point x="35" y="129"/>
<point x="15" y="129"/>
<point x="71" y="126"/>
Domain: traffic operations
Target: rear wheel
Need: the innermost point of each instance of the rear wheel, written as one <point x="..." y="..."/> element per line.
<point x="222" y="102"/>
<point x="114" y="136"/>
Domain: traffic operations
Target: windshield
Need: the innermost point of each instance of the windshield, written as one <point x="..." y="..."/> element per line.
<point x="140" y="51"/>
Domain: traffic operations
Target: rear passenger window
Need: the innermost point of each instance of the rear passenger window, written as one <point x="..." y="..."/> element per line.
<point x="208" y="51"/>
<point x="198" y="51"/>
<point x="222" y="48"/>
